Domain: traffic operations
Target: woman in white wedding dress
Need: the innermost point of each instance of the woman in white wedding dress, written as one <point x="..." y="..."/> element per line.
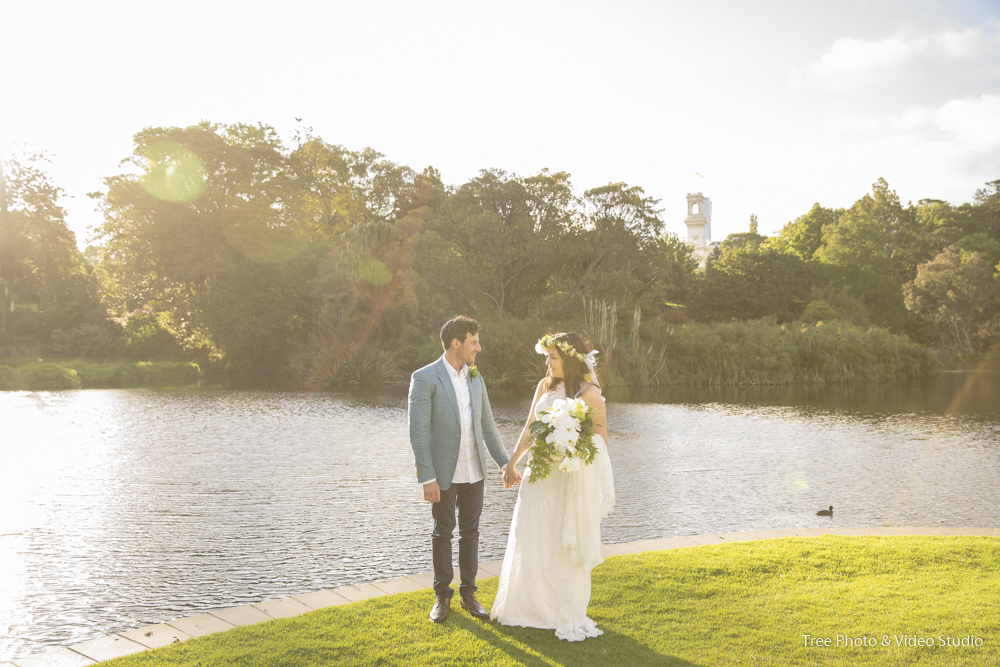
<point x="555" y="535"/>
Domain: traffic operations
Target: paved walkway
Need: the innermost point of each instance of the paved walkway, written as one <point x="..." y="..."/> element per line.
<point x="155" y="636"/>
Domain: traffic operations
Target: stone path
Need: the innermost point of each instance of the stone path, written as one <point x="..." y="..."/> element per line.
<point x="155" y="636"/>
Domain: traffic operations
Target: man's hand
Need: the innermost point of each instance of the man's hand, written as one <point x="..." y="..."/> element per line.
<point x="432" y="492"/>
<point x="511" y="477"/>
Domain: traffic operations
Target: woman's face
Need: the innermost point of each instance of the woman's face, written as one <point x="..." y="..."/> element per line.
<point x="554" y="362"/>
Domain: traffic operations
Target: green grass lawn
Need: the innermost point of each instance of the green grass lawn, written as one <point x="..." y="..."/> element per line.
<point x="746" y="603"/>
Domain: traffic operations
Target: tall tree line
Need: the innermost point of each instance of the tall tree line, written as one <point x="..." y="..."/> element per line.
<point x="223" y="244"/>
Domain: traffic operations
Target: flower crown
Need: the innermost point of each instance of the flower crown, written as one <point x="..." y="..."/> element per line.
<point x="548" y="340"/>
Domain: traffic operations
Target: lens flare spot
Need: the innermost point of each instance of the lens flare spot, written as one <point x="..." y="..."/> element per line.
<point x="798" y="482"/>
<point x="173" y="173"/>
<point x="375" y="272"/>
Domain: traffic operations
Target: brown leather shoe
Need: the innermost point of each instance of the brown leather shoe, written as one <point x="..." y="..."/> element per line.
<point x="471" y="605"/>
<point x="441" y="608"/>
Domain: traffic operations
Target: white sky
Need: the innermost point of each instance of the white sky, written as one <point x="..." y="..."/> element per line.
<point x="779" y="104"/>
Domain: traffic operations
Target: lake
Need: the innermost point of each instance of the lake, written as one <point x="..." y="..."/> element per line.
<point x="135" y="506"/>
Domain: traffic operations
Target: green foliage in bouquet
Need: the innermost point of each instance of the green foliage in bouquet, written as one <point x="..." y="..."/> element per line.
<point x="549" y="447"/>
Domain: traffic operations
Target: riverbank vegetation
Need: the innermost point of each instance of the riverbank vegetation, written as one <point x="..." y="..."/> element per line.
<point x="743" y="603"/>
<point x="37" y="375"/>
<point x="224" y="247"/>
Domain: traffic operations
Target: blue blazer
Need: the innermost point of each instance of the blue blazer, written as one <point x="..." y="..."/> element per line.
<point x="436" y="428"/>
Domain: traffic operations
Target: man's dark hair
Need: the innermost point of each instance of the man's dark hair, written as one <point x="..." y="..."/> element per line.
<point x="458" y="327"/>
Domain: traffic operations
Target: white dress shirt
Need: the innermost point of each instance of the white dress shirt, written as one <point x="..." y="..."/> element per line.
<point x="469" y="468"/>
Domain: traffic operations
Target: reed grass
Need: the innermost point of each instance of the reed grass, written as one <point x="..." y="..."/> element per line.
<point x="758" y="352"/>
<point x="762" y="353"/>
<point x="368" y="368"/>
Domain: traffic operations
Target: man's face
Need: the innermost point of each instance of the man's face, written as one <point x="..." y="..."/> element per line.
<point x="468" y="350"/>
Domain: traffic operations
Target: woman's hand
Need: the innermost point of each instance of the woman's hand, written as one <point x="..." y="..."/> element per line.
<point x="511" y="477"/>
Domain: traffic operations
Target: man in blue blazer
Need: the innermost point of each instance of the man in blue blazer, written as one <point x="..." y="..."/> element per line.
<point x="451" y="430"/>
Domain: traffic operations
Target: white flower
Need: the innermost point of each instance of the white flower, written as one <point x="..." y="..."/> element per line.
<point x="556" y="440"/>
<point x="577" y="408"/>
<point x="570" y="464"/>
<point x="564" y="421"/>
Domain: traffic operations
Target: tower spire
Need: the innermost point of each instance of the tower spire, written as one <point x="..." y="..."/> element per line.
<point x="699" y="225"/>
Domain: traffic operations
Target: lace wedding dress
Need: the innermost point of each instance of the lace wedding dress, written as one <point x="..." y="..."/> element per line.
<point x="554" y="543"/>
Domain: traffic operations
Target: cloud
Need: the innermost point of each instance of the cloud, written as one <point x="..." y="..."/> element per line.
<point x="852" y="61"/>
<point x="973" y="121"/>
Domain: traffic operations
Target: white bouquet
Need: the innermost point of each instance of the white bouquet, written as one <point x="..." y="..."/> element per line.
<point x="563" y="434"/>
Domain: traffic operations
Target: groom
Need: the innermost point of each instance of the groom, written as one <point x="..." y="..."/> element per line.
<point x="450" y="422"/>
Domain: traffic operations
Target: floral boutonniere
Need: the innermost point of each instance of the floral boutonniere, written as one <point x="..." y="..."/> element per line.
<point x="473" y="371"/>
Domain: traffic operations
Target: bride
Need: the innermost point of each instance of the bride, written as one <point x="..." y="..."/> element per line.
<point x="555" y="535"/>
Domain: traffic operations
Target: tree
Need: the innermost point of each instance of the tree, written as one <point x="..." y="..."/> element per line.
<point x="981" y="242"/>
<point x="498" y="238"/>
<point x="958" y="299"/>
<point x="897" y="226"/>
<point x="39" y="261"/>
<point x="338" y="188"/>
<point x="680" y="266"/>
<point x="750" y="281"/>
<point x="751" y="237"/>
<point x="938" y="225"/>
<point x="854" y="248"/>
<point x="223" y="251"/>
<point x="616" y="252"/>
<point x="358" y="286"/>
<point x="804" y="235"/>
<point x="987" y="210"/>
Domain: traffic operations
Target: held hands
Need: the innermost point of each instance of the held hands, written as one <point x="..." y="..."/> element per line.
<point x="511" y="477"/>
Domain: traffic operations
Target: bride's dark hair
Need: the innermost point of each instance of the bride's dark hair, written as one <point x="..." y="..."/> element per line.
<point x="573" y="369"/>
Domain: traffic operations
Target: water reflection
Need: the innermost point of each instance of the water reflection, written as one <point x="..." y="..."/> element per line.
<point x="126" y="507"/>
<point x="954" y="391"/>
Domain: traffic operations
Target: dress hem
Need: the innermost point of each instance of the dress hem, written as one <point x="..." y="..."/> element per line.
<point x="570" y="632"/>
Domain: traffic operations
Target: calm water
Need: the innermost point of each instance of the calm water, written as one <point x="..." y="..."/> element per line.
<point x="128" y="507"/>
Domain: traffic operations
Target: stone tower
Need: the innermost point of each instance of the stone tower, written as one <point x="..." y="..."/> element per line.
<point x="699" y="224"/>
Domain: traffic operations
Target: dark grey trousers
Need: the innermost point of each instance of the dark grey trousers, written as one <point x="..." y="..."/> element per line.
<point x="468" y="499"/>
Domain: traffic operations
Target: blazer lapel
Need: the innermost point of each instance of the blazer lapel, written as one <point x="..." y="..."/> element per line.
<point x="449" y="389"/>
<point x="476" y="394"/>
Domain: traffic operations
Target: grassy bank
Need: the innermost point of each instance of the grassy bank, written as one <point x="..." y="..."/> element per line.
<point x="746" y="603"/>
<point x="38" y="375"/>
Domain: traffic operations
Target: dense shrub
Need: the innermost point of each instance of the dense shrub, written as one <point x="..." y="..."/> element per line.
<point x="44" y="376"/>
<point x="85" y="340"/>
<point x="819" y="311"/>
<point x="149" y="335"/>
<point x="8" y="378"/>
<point x="114" y="374"/>
<point x="508" y="356"/>
<point x="409" y="358"/>
<point x="158" y="373"/>
<point x="38" y="376"/>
